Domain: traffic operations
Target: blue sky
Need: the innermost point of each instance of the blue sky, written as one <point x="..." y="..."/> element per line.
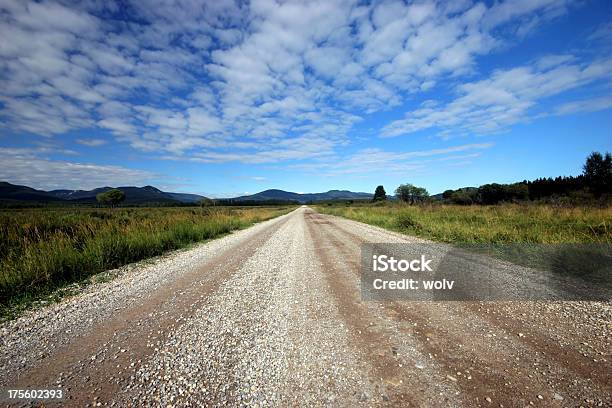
<point x="225" y="98"/>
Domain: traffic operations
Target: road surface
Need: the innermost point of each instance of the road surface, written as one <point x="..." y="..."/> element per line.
<point x="272" y="316"/>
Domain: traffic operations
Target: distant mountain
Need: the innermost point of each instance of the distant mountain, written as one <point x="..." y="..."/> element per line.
<point x="133" y="195"/>
<point x="304" y="198"/>
<point x="269" y="195"/>
<point x="150" y="194"/>
<point x="340" y="195"/>
<point x="15" y="192"/>
<point x="147" y="194"/>
<point x="186" y="198"/>
<point x="78" y="194"/>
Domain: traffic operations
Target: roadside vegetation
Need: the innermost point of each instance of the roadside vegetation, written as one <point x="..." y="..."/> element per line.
<point x="42" y="250"/>
<point x="564" y="210"/>
<point x="539" y="236"/>
<point x="542" y="223"/>
<point x="593" y="186"/>
<point x="496" y="224"/>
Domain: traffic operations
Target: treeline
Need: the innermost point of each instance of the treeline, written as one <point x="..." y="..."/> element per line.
<point x="246" y="203"/>
<point x="595" y="183"/>
<point x="488" y="194"/>
<point x="342" y="201"/>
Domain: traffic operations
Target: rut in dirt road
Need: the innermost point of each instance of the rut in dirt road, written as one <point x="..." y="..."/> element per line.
<point x="273" y="316"/>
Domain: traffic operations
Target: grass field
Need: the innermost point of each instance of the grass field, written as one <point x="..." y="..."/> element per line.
<point x="499" y="224"/>
<point x="42" y="250"/>
<point x="536" y="236"/>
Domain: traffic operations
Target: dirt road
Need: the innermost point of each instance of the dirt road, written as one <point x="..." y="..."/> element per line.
<point x="272" y="316"/>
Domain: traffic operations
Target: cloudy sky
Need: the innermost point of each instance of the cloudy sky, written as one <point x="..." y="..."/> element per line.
<point x="223" y="98"/>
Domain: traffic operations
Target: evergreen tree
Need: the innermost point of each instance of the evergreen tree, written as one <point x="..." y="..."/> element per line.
<point x="598" y="173"/>
<point x="380" y="194"/>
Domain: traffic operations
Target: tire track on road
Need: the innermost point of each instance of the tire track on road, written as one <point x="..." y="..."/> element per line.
<point x="500" y="367"/>
<point x="402" y="385"/>
<point x="596" y="370"/>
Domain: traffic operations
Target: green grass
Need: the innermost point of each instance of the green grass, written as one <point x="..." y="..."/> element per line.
<point x="43" y="250"/>
<point x="499" y="224"/>
<point x="512" y="232"/>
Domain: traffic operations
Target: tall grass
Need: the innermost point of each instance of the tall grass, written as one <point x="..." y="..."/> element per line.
<point x="511" y="232"/>
<point x="43" y="249"/>
<point x="499" y="224"/>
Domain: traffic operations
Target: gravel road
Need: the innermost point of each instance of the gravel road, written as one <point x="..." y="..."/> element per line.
<point x="272" y="316"/>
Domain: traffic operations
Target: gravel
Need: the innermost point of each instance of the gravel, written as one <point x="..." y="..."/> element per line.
<point x="39" y="332"/>
<point x="268" y="336"/>
<point x="272" y="316"/>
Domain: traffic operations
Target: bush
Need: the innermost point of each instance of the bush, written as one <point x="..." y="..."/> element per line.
<point x="408" y="221"/>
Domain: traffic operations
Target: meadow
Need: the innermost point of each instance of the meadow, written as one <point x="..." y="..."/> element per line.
<point x="494" y="224"/>
<point x="571" y="241"/>
<point x="42" y="250"/>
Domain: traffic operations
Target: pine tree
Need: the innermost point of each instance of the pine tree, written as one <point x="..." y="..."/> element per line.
<point x="380" y="194"/>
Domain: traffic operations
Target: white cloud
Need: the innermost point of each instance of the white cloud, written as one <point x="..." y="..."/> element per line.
<point x="602" y="33"/>
<point x="265" y="81"/>
<point x="91" y="142"/>
<point x="117" y="125"/>
<point x="503" y="12"/>
<point x="495" y="103"/>
<point x="29" y="167"/>
<point x="378" y="161"/>
<point x="586" y="105"/>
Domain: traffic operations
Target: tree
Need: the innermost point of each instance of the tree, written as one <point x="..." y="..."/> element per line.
<point x="559" y="186"/>
<point x="380" y="194"/>
<point x="111" y="197"/>
<point x="598" y="173"/>
<point x="206" y="202"/>
<point x="411" y="193"/>
<point x="465" y="196"/>
<point x="495" y="193"/>
<point x="447" y="194"/>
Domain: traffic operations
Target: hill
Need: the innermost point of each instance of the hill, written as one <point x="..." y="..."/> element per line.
<point x="13" y="192"/>
<point x="186" y="197"/>
<point x="78" y="194"/>
<point x="269" y="195"/>
<point x="133" y="195"/>
<point x="153" y="195"/>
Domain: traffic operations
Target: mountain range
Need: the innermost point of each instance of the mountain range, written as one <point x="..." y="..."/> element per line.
<point x="304" y="197"/>
<point x="133" y="195"/>
<point x="150" y="194"/>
